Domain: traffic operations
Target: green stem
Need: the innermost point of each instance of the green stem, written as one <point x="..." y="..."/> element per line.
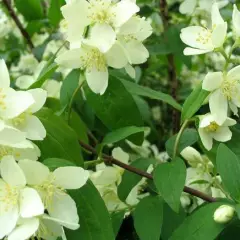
<point x="228" y="60"/>
<point x="178" y="138"/>
<point x="72" y="100"/>
<point x="92" y="163"/>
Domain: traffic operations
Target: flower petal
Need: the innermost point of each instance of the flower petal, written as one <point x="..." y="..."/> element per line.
<point x="229" y="122"/>
<point x="188" y="6"/>
<point x="30" y="203"/>
<point x="36" y="173"/>
<point x="39" y="95"/>
<point x="25" y="81"/>
<point x="67" y="215"/>
<point x="97" y="80"/>
<point x="234" y="73"/>
<point x="25" y="230"/>
<point x="10" y="135"/>
<point x="223" y="134"/>
<point x="218" y="106"/>
<point x="206" y="139"/>
<point x="212" y="81"/>
<point x="216" y="16"/>
<point x="219" y="35"/>
<point x="193" y="51"/>
<point x="11" y="172"/>
<point x="236" y="20"/>
<point x="130" y="70"/>
<point x="5" y="79"/>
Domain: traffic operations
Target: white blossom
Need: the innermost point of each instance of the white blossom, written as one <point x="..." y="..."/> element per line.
<point x="223" y="214"/>
<point x="236" y="21"/>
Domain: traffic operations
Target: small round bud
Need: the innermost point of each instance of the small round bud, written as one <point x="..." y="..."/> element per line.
<point x="224" y="214"/>
<point x="192" y="156"/>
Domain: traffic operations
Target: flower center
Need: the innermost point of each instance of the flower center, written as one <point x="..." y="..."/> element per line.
<point x="93" y="59"/>
<point x="229" y="88"/>
<point x="2" y="99"/>
<point x="4" y="151"/>
<point x="100" y="11"/>
<point x="204" y="36"/>
<point x="9" y="196"/>
<point x="213" y="127"/>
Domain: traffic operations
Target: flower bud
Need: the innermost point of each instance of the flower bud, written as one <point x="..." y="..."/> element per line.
<point x="224" y="214"/>
<point x="192" y="156"/>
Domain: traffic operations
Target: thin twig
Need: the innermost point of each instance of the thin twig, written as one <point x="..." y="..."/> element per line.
<point x="18" y="23"/>
<point x="171" y="65"/>
<point x="112" y="160"/>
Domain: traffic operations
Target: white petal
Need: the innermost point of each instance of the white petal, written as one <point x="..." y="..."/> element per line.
<point x="233" y="108"/>
<point x="39" y="95"/>
<point x="11" y="172"/>
<point x="102" y="36"/>
<point x="193" y="51"/>
<point x="26" y="230"/>
<point x="206" y="120"/>
<point x="229" y="122"/>
<point x="223" y="134"/>
<point x="64" y="209"/>
<point x="5" y="79"/>
<point x="218" y="106"/>
<point x="8" y="221"/>
<point x="25" y="81"/>
<point x="10" y="135"/>
<point x="219" y="35"/>
<point x="30" y="203"/>
<point x="212" y="81"/>
<point x="234" y="73"/>
<point x="190" y="36"/>
<point x="32" y="153"/>
<point x="33" y="128"/>
<point x="187" y="7"/>
<point x="97" y="81"/>
<point x="71" y="58"/>
<point x="236" y="20"/>
<point x="123" y="11"/>
<point x="130" y="70"/>
<point x="206" y="139"/>
<point x="70" y="177"/>
<point x="36" y="173"/>
<point x="216" y="16"/>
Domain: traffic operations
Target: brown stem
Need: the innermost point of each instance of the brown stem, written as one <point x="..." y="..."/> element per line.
<point x="18" y="23"/>
<point x="112" y="160"/>
<point x="171" y="66"/>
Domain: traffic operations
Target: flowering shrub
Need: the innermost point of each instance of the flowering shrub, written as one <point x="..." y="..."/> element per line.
<point x="119" y="119"/>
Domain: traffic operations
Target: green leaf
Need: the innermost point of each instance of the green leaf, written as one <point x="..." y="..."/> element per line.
<point x="121" y="134"/>
<point x="130" y="180"/>
<point x="54" y="163"/>
<point x="69" y="85"/>
<point x="200" y="225"/>
<point x="61" y="140"/>
<point x="171" y="221"/>
<point x="188" y="138"/>
<point x="30" y="9"/>
<point x="94" y="217"/>
<point x="193" y="102"/>
<point x="169" y="179"/>
<point x="54" y="12"/>
<point x="233" y="144"/>
<point x="228" y="166"/>
<point x="116" y="108"/>
<point x="117" y="219"/>
<point x="35" y="26"/>
<point x="148" y="218"/>
<point x="136" y="89"/>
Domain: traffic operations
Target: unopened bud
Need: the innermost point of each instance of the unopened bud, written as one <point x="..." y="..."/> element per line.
<point x="192" y="156"/>
<point x="224" y="214"/>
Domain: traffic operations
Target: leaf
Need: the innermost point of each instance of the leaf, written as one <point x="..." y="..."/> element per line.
<point x="54" y="163"/>
<point x="148" y="218"/>
<point x="117" y="219"/>
<point x="61" y="140"/>
<point x="121" y="134"/>
<point x="200" y="225"/>
<point x="136" y="89"/>
<point x="94" y="217"/>
<point x="169" y="179"/>
<point x="35" y="26"/>
<point x="116" y="108"/>
<point x="54" y="12"/>
<point x="228" y="166"/>
<point x="30" y="9"/>
<point x="130" y="180"/>
<point x="193" y="102"/>
<point x="171" y="221"/>
<point x="233" y="144"/>
<point x="188" y="138"/>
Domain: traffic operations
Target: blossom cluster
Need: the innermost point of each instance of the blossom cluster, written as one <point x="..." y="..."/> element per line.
<point x="104" y="34"/>
<point x="33" y="200"/>
<point x="223" y="87"/>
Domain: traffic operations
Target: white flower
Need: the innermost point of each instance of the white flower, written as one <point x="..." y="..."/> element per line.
<point x="103" y="14"/>
<point x="225" y="90"/>
<point x="51" y="187"/>
<point x="12" y="103"/>
<point x="27" y="122"/>
<point x="16" y="199"/>
<point x="53" y="88"/>
<point x="202" y="40"/>
<point x="209" y="129"/>
<point x="187" y="6"/>
<point x="95" y="63"/>
<point x="224" y="214"/>
<point x="236" y="21"/>
<point x="192" y="156"/>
